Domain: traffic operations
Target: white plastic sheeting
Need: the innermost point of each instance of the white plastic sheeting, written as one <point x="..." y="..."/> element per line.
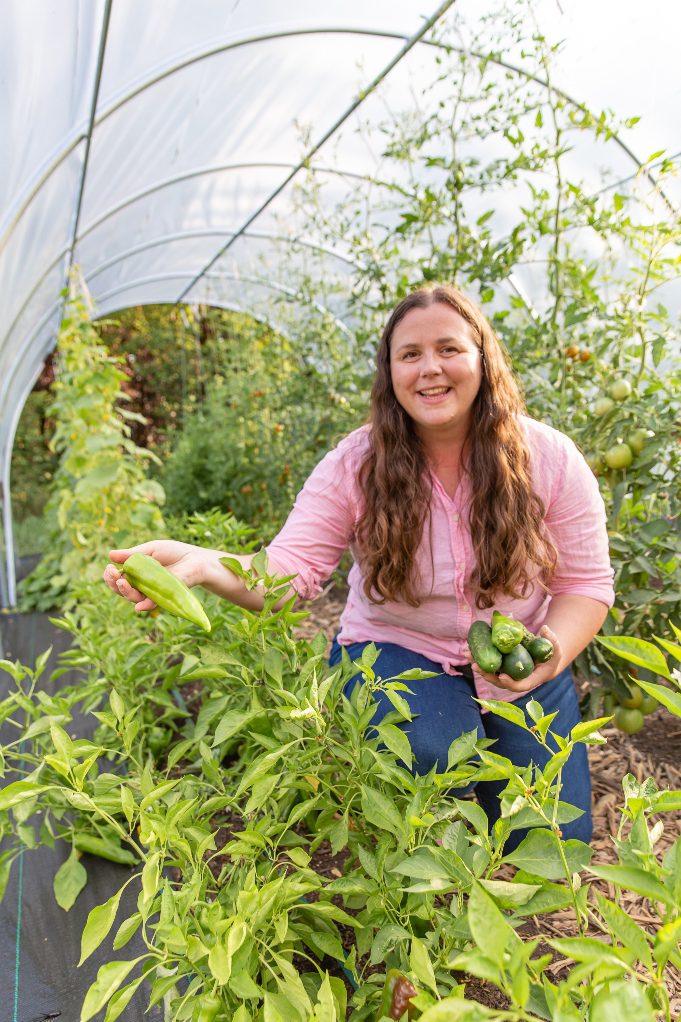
<point x="157" y="145"/>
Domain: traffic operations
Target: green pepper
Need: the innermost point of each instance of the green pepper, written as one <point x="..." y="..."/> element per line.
<point x="160" y="585"/>
<point x="94" y="845"/>
<point x="397" y="994"/>
<point x="507" y="633"/>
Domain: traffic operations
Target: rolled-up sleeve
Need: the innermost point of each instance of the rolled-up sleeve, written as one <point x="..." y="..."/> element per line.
<point x="576" y="521"/>
<point x="322" y="522"/>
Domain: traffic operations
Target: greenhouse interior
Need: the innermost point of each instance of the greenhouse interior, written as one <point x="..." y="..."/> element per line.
<point x="228" y="804"/>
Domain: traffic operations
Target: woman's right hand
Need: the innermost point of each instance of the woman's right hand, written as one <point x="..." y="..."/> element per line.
<point x="189" y="563"/>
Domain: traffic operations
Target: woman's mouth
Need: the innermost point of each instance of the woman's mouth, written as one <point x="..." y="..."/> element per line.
<point x="433" y="395"/>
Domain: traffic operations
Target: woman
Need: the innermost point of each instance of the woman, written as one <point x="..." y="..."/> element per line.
<point x="452" y="502"/>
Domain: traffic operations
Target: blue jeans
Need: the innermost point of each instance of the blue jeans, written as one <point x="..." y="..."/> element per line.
<point x="444" y="708"/>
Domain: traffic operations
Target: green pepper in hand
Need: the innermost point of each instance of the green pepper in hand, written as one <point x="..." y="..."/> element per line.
<point x="167" y="590"/>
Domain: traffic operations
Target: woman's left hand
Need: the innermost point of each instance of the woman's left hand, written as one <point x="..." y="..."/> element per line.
<point x="540" y="674"/>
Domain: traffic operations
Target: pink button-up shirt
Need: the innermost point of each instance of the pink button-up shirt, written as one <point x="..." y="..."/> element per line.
<point x="322" y="526"/>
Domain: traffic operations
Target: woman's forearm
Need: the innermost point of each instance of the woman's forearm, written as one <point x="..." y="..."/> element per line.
<point x="220" y="580"/>
<point x="195" y="566"/>
<point x="575" y="620"/>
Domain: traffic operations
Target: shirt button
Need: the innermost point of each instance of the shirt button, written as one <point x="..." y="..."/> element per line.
<point x="455" y="517"/>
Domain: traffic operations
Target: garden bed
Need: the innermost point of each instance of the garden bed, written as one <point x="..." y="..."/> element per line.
<point x="650" y="753"/>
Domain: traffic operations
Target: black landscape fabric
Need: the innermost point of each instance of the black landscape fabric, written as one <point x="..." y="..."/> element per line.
<point x="39" y="942"/>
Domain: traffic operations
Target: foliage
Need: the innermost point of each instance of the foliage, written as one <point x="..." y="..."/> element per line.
<point x="171" y="354"/>
<point x="245" y="735"/>
<point x="33" y="465"/>
<point x="101" y="496"/>
<point x="268" y="417"/>
<point x="573" y="275"/>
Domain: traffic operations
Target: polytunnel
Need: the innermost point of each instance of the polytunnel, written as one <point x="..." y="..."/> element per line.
<point x="159" y="147"/>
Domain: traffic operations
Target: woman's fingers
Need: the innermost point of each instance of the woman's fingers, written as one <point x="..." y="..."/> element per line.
<point x="119" y="585"/>
<point x="133" y="595"/>
<point x="111" y="576"/>
<point x="120" y="556"/>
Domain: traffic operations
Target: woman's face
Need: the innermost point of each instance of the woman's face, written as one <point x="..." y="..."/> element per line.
<point x="436" y="370"/>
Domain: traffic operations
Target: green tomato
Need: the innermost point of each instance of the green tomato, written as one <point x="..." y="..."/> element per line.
<point x="629" y="721"/>
<point x="638" y="438"/>
<point x="619" y="456"/>
<point x="603" y="405"/>
<point x="648" y="704"/>
<point x="634" y="699"/>
<point x="620" y="390"/>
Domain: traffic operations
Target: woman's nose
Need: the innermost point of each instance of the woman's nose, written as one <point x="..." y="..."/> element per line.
<point x="431" y="364"/>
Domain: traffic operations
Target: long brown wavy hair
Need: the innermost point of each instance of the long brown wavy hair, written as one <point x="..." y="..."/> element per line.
<point x="512" y="549"/>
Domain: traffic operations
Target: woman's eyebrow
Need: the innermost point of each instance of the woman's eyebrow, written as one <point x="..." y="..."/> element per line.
<point x="417" y="344"/>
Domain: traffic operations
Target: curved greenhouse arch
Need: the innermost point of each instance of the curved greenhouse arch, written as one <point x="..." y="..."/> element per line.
<point x="63" y="194"/>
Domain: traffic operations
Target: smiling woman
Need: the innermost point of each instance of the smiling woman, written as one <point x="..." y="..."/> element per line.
<point x="436" y="372"/>
<point x="453" y="503"/>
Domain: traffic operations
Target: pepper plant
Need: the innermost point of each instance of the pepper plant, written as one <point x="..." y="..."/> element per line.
<point x="220" y="765"/>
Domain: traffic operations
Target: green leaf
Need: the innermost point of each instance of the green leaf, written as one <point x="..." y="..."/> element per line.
<point x="461" y="748"/>
<point x="624" y="929"/>
<point x="634" y="879"/>
<point x="386" y="938"/>
<point x="667" y="940"/>
<point x="396" y="741"/>
<point x="416" y="674"/>
<point x="117" y="704"/>
<point x="69" y="881"/>
<point x="325" y="1008"/>
<point x="508" y="894"/>
<point x="424" y="864"/>
<point x="126" y="930"/>
<point x="231" y="722"/>
<point x="150" y="876"/>
<point x="539" y="854"/>
<point x="636" y="651"/>
<point x="18" y="792"/>
<point x="109" y="978"/>
<point x="158" y="792"/>
<point x="672" y="700"/>
<point x="379" y="810"/>
<point x="220" y="962"/>
<point x="456" y="1009"/>
<point x="274" y="663"/>
<point x="508" y="711"/>
<point x="671" y="647"/>
<point x="99" y="922"/>
<point x="400" y="703"/>
<point x="421" y="965"/>
<point x="621" y="1001"/>
<point x="121" y="999"/>
<point x="338" y="834"/>
<point x="587" y="727"/>
<point x="490" y="929"/>
<point x="473" y="814"/>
